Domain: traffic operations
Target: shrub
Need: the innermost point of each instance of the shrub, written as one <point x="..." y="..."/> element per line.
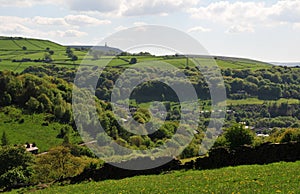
<point x="57" y="164"/>
<point x="15" y="166"/>
<point x="238" y="135"/>
<point x="290" y="135"/>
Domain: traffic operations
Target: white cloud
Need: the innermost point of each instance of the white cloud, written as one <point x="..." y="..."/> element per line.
<point x="155" y="7"/>
<point x="82" y="20"/>
<point x="15" y="26"/>
<point x="230" y="12"/>
<point x="29" y="27"/>
<point x="70" y="21"/>
<point x="28" y="3"/>
<point x="114" y="8"/>
<point x="139" y="23"/>
<point x="49" y="21"/>
<point x="71" y="34"/>
<point x="240" y="28"/>
<point x="296" y="26"/>
<point x="198" y="29"/>
<point x="120" y="28"/>
<point x="16" y="30"/>
<point x="285" y="11"/>
<point x="94" y="5"/>
<point x="236" y="14"/>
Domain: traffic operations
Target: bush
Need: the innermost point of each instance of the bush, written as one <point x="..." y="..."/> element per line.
<point x="15" y="167"/>
<point x="238" y="135"/>
<point x="58" y="164"/>
<point x="290" y="135"/>
<point x="133" y="61"/>
<point x="221" y="142"/>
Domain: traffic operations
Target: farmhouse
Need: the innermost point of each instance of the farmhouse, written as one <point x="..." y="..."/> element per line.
<point x="32" y="148"/>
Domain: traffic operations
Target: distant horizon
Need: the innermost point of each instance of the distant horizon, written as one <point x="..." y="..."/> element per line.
<point x="288" y="63"/>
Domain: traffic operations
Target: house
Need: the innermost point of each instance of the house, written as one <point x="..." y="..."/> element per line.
<point x="31" y="148"/>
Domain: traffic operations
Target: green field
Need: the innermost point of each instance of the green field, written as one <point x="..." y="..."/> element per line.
<point x="257" y="101"/>
<point x="12" y="48"/>
<point x="273" y="178"/>
<point x="21" y="128"/>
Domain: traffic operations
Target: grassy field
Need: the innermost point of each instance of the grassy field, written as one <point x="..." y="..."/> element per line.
<point x="273" y="178"/>
<point x="257" y="101"/>
<point x="21" y="128"/>
<point x="12" y="49"/>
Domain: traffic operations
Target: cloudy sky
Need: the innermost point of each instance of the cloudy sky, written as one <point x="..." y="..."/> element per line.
<point x="263" y="30"/>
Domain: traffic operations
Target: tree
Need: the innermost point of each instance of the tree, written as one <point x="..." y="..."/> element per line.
<point x="133" y="61"/>
<point x="33" y="104"/>
<point x="74" y="58"/>
<point x="15" y="166"/>
<point x="51" y="52"/>
<point x="269" y="92"/>
<point x="24" y="48"/>
<point x="238" y="135"/>
<point x="47" y="58"/>
<point x="69" y="52"/>
<point x="4" y="139"/>
<point x="136" y="140"/>
<point x="44" y="99"/>
<point x="57" y="164"/>
<point x="59" y="111"/>
<point x="290" y="135"/>
<point x="5" y="99"/>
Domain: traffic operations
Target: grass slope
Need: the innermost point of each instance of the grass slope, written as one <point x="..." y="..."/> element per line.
<point x="11" y="48"/>
<point x="273" y="178"/>
<point x="21" y="128"/>
<point x="257" y="101"/>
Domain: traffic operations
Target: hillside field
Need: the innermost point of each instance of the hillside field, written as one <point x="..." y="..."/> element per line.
<point x="35" y="49"/>
<point x="21" y="128"/>
<point x="273" y="178"/>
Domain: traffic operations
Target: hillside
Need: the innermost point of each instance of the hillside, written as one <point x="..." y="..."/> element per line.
<point x="18" y="53"/>
<point x="36" y="107"/>
<point x="272" y="178"/>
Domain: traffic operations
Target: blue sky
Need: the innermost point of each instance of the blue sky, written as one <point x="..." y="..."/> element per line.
<point x="263" y="30"/>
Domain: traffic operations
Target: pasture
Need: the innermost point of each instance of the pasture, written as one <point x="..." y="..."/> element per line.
<point x="35" y="49"/>
<point x="272" y="178"/>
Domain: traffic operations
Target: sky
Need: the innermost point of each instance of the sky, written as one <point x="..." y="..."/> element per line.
<point x="261" y="30"/>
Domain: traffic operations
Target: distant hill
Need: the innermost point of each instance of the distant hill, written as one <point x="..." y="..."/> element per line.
<point x="105" y="49"/>
<point x="18" y="53"/>
<point x="29" y="44"/>
<point x="288" y="64"/>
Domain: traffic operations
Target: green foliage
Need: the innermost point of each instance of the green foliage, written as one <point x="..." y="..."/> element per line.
<point x="133" y="61"/>
<point x="269" y="92"/>
<point x="5" y="99"/>
<point x="221" y="141"/>
<point x="40" y="128"/>
<point x="15" y="166"/>
<point x="47" y="58"/>
<point x="136" y="140"/>
<point x="33" y="104"/>
<point x="238" y="135"/>
<point x="57" y="164"/>
<point x="290" y="135"/>
<point x="4" y="139"/>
